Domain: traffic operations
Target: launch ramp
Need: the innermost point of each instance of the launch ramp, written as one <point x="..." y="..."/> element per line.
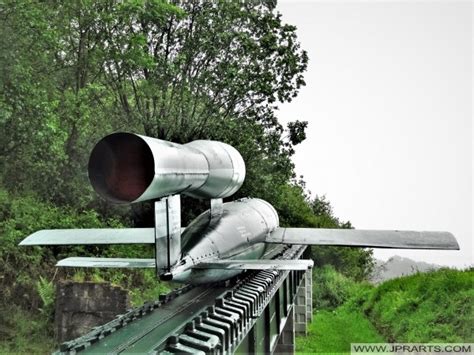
<point x="257" y="313"/>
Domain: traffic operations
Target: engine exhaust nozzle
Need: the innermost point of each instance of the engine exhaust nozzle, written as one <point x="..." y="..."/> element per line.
<point x="127" y="167"/>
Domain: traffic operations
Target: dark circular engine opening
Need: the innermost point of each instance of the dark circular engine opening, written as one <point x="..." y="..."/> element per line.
<point x="121" y="167"/>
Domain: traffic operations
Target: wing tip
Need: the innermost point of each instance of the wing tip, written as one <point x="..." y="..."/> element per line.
<point x="65" y="262"/>
<point x="28" y="241"/>
<point x="455" y="242"/>
<point x="452" y="241"/>
<point x="36" y="238"/>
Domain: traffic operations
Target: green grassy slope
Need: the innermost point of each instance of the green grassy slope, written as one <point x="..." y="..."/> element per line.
<point x="427" y="307"/>
<point x="338" y="319"/>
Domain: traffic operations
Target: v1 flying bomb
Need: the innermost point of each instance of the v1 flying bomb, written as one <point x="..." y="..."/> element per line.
<point x="220" y="243"/>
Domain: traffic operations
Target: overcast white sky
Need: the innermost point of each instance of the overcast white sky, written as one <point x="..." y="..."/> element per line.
<point x="389" y="105"/>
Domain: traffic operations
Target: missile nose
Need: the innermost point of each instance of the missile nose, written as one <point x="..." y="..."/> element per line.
<point x="167" y="276"/>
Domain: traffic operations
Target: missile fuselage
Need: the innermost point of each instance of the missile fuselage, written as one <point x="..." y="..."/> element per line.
<point x="238" y="234"/>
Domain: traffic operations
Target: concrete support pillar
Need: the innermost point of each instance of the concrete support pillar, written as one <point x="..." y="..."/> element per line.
<point x="301" y="307"/>
<point x="286" y="342"/>
<point x="80" y="306"/>
<point x="309" y="296"/>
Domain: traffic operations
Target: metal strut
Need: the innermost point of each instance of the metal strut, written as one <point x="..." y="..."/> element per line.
<point x="167" y="233"/>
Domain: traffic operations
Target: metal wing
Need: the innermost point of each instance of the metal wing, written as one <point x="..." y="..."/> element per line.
<point x="256" y="265"/>
<point x="364" y="238"/>
<point x="107" y="262"/>
<point x="91" y="236"/>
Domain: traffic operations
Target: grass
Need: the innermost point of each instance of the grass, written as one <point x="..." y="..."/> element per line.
<point x="334" y="331"/>
<point x="426" y="307"/>
<point x="338" y="320"/>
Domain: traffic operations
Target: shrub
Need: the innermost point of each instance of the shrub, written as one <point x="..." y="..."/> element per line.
<point x="22" y="267"/>
<point x="330" y="288"/>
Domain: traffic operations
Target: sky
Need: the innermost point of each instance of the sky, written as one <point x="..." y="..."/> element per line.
<point x="389" y="105"/>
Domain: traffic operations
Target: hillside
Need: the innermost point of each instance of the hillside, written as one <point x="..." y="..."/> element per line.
<point x="435" y="306"/>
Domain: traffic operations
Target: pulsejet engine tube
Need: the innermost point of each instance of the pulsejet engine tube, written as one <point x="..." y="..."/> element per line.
<point x="126" y="167"/>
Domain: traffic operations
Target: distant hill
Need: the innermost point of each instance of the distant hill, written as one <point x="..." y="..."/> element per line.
<point x="398" y="266"/>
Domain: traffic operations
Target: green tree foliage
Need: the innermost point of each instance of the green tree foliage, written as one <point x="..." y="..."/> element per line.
<point x="21" y="268"/>
<point x="28" y="275"/>
<point x="189" y="70"/>
<point x="75" y="71"/>
<point x="330" y="288"/>
<point x="355" y="263"/>
<point x="49" y="113"/>
<point x="212" y="70"/>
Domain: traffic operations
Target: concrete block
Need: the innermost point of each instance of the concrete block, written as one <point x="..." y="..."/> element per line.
<point x="80" y="306"/>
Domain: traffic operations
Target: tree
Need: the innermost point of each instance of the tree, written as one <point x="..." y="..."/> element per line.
<point x="209" y="70"/>
<point x="356" y="263"/>
<point x="182" y="72"/>
<point x="212" y="70"/>
<point x="48" y="104"/>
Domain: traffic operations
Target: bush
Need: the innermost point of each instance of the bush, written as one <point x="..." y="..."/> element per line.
<point x="330" y="288"/>
<point x="22" y="267"/>
<point x="25" y="332"/>
<point x="354" y="263"/>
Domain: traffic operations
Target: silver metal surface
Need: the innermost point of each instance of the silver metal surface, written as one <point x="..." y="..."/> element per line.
<point x="239" y="234"/>
<point x="106" y="262"/>
<point x="246" y="229"/>
<point x="91" y="236"/>
<point x="167" y="232"/>
<point x="257" y="264"/>
<point x="216" y="210"/>
<point x="226" y="169"/>
<point x="126" y="167"/>
<point x="365" y="238"/>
